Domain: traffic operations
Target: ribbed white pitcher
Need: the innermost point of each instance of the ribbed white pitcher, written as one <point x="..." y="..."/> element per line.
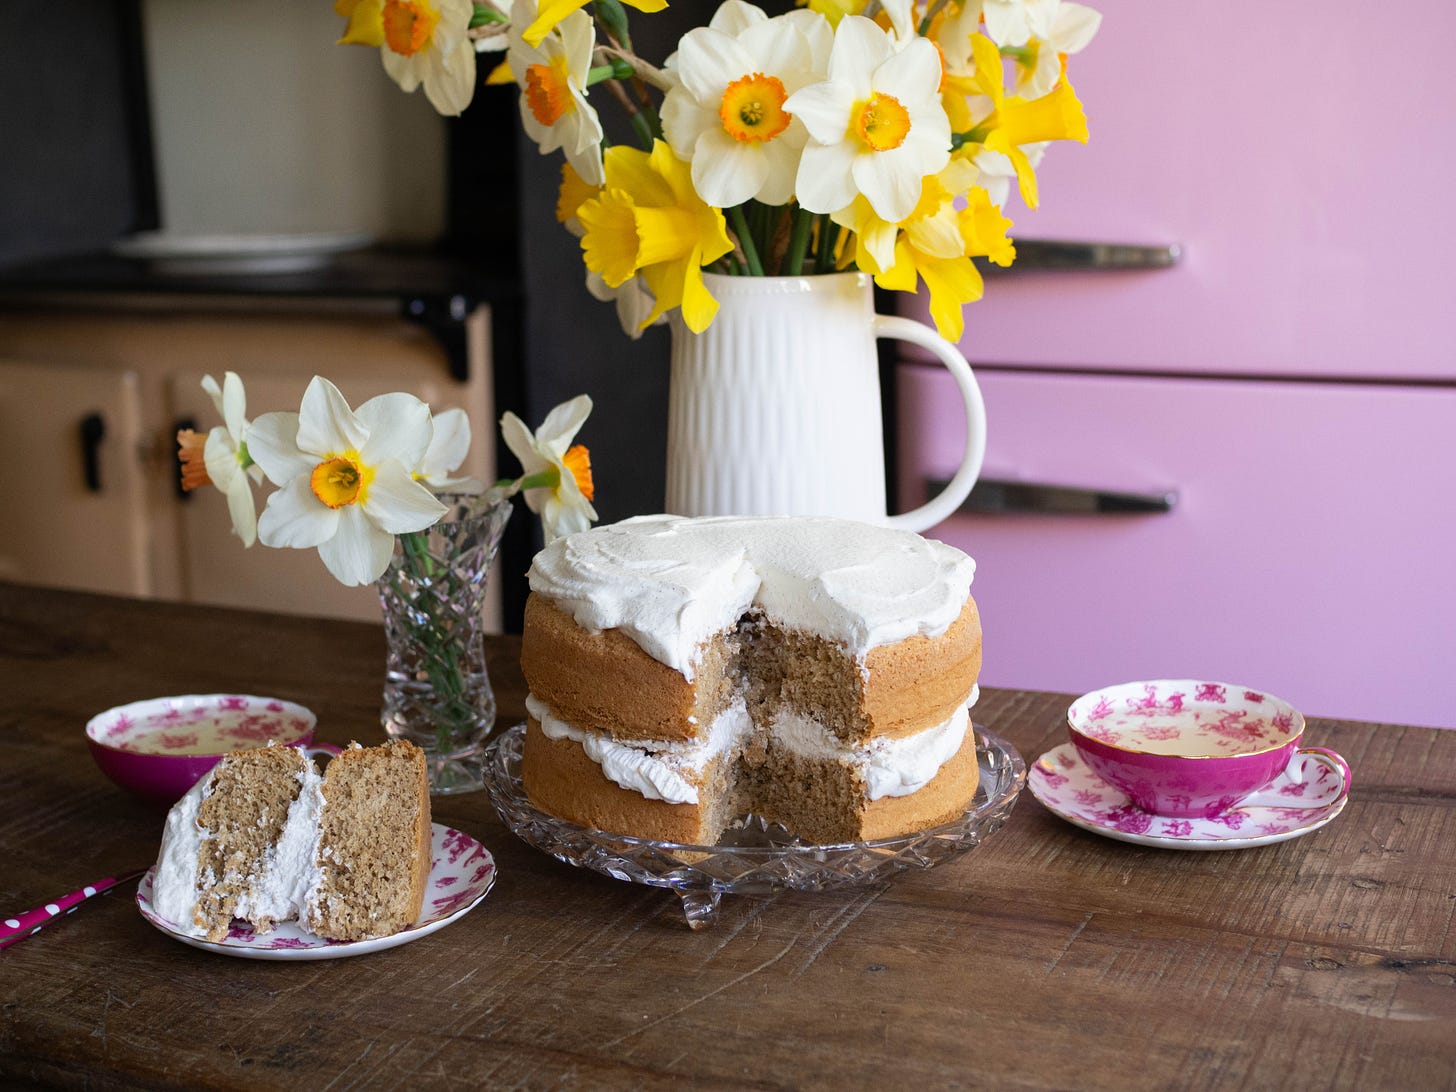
<point x="774" y="409"/>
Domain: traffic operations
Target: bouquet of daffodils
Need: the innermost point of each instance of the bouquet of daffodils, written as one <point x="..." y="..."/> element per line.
<point x="877" y="135"/>
<point x="349" y="481"/>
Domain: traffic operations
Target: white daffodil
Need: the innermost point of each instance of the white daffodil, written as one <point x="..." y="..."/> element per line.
<point x="552" y="77"/>
<point x="901" y="14"/>
<point x="422" y="42"/>
<point x="557" y="481"/>
<point x="726" y="113"/>
<point x="221" y="458"/>
<point x="1014" y="22"/>
<point x="876" y="125"/>
<point x="345" y="479"/>
<point x="1039" y="61"/>
<point x="634" y="302"/>
<point x="449" y="445"/>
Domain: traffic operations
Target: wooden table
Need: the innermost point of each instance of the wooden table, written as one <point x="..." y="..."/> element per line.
<point x="1047" y="958"/>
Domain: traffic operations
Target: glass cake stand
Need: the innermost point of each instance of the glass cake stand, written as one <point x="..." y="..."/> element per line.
<point x="754" y="857"/>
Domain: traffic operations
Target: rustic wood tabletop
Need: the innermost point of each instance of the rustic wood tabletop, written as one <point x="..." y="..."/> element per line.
<point x="1047" y="957"/>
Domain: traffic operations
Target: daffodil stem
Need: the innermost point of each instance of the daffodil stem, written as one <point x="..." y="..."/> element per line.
<point x="642" y="127"/>
<point x="930" y="14"/>
<point x="828" y="236"/>
<point x="485" y="15"/>
<point x="799" y="243"/>
<point x="745" y="240"/>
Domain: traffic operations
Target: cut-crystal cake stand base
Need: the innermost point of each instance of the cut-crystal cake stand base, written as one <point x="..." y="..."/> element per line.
<point x="753" y="857"/>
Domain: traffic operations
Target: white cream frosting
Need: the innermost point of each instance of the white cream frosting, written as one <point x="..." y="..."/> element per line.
<point x="672" y="582"/>
<point x="669" y="770"/>
<point x="287" y="882"/>
<point x="174" y="884"/>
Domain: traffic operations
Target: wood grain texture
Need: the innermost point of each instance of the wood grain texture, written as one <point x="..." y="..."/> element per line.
<point x="1046" y="958"/>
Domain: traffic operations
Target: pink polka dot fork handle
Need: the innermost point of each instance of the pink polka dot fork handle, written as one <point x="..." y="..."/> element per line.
<point x="15" y="929"/>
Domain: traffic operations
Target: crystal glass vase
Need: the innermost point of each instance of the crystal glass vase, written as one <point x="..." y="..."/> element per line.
<point x="437" y="692"/>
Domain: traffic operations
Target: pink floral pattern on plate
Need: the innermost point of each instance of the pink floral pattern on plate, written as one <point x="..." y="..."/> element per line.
<point x="462" y="873"/>
<point x="1069" y="789"/>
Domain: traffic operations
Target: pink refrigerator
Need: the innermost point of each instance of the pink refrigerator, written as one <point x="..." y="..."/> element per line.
<point x="1223" y="444"/>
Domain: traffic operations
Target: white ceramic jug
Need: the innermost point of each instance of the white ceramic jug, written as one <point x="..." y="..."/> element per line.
<point x="775" y="408"/>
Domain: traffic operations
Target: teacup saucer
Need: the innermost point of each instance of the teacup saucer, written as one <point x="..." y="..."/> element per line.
<point x="1069" y="789"/>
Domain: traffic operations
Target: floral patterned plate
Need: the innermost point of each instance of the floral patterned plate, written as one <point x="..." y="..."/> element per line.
<point x="462" y="872"/>
<point x="1069" y="789"/>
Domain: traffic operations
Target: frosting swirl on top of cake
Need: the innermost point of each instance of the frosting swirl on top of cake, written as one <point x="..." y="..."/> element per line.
<point x="671" y="582"/>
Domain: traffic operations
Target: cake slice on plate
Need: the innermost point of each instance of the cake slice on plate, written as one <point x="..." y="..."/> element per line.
<point x="264" y="838"/>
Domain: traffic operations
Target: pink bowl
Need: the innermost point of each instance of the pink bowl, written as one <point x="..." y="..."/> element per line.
<point x="159" y="747"/>
<point x="1186" y="748"/>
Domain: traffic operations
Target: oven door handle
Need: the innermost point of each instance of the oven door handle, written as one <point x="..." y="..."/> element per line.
<point x="1005" y="495"/>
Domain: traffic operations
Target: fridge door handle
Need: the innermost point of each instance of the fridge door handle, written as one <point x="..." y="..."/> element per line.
<point x="1005" y="495"/>
<point x="1068" y="254"/>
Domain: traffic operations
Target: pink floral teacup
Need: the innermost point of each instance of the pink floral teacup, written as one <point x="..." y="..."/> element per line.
<point x="1186" y="749"/>
<point x="159" y="747"/>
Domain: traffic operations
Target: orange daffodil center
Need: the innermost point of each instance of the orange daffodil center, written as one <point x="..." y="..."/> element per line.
<point x="577" y="461"/>
<point x="547" y="91"/>
<point x="882" y="123"/>
<point x="408" y="25"/>
<point x="753" y="108"/>
<point x="340" y="480"/>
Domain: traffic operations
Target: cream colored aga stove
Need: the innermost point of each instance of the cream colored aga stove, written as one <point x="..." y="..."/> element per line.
<point x="92" y="392"/>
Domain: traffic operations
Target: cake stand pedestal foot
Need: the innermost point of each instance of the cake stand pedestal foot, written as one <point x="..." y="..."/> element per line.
<point x="700" y="908"/>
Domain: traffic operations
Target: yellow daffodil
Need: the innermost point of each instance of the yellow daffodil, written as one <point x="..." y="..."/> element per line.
<point x="876" y="125"/>
<point x="557" y="482"/>
<point x="955" y="281"/>
<point x="726" y="112"/>
<point x="931" y="224"/>
<point x="650" y="220"/>
<point x="221" y="458"/>
<point x="1015" y="122"/>
<point x="574" y="193"/>
<point x="422" y="42"/>
<point x="552" y="72"/>
<point x="550" y="13"/>
<point x="345" y="479"/>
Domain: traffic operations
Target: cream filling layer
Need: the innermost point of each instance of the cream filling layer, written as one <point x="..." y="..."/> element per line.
<point x="657" y="769"/>
<point x="670" y="771"/>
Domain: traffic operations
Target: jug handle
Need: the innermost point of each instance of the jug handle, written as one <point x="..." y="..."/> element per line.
<point x="959" y="487"/>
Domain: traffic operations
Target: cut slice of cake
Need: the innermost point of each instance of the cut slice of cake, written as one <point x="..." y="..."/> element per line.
<point x="374" y="842"/>
<point x="263" y="838"/>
